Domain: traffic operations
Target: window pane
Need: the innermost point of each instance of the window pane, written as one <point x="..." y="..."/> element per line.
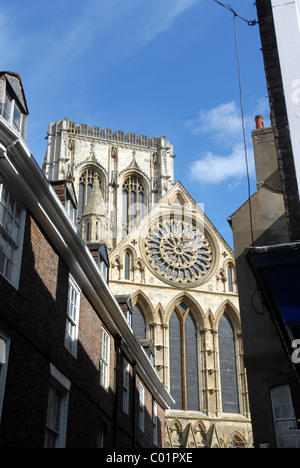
<point x="4" y="195"/>
<point x="2" y="261"/>
<point x="81" y="199"/>
<point x="287" y="436"/>
<point x="125" y="386"/>
<point x="6" y="109"/>
<point x="125" y="214"/>
<point x="53" y="418"/>
<point x="9" y="223"/>
<point x="230" y="280"/>
<point x="229" y="389"/>
<point x="9" y="270"/>
<point x="175" y="361"/>
<point x="71" y="333"/>
<point x="17" y="118"/>
<point x="138" y="322"/>
<point x="104" y="361"/>
<point x="127" y="266"/>
<point x="192" y="383"/>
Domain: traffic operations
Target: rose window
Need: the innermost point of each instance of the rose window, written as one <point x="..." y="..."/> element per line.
<point x="178" y="251"/>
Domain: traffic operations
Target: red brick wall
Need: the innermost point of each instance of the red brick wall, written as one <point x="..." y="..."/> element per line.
<point x="34" y="318"/>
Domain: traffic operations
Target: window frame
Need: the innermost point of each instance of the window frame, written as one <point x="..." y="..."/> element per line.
<point x="288" y="418"/>
<point x="133" y="202"/>
<point x="71" y="340"/>
<point x="126" y="385"/>
<point x="52" y="431"/>
<point x="10" y="244"/>
<point x="71" y="208"/>
<point x="61" y="386"/>
<point x="101" y="429"/>
<point x="230" y="278"/>
<point x="142" y="407"/>
<point x="6" y="114"/>
<point x="155" y="422"/>
<point x="89" y="175"/>
<point x="225" y="321"/>
<point x="105" y="360"/>
<point x="5" y="347"/>
<point x="9" y="114"/>
<point x="128" y="261"/>
<point x="183" y="312"/>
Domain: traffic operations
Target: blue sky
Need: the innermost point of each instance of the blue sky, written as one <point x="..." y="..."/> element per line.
<point x="151" y="67"/>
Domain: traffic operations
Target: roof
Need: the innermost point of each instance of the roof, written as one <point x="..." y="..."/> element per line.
<point x="243" y="205"/>
<point x="21" y="96"/>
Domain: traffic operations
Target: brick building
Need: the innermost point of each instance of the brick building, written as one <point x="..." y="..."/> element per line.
<point x="72" y="373"/>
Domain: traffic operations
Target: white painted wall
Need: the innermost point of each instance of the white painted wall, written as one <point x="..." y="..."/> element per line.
<point x="286" y="15"/>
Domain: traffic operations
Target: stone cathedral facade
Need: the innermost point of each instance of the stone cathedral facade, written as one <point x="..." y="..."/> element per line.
<point x="177" y="269"/>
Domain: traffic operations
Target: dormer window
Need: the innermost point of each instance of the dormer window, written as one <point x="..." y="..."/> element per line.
<point x="16" y="117"/>
<point x="103" y="262"/>
<point x="6" y="107"/>
<point x="71" y="206"/>
<point x="13" y="107"/>
<point x="12" y="113"/>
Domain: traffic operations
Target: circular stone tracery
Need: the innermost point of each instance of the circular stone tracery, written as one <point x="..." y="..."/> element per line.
<point x="178" y="251"/>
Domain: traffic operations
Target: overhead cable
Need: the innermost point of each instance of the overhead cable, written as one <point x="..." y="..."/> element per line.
<point x="228" y="7"/>
<point x="250" y="23"/>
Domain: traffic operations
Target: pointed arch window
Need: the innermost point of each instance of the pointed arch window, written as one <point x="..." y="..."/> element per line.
<point x="128" y="265"/>
<point x="88" y="177"/>
<point x="138" y="322"/>
<point x="230" y="278"/>
<point x="228" y="372"/>
<point x="183" y="346"/>
<point x="133" y="201"/>
<point x="88" y="231"/>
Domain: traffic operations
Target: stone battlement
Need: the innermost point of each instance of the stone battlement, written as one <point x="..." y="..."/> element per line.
<point x="110" y="135"/>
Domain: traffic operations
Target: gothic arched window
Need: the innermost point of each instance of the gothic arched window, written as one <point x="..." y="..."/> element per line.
<point x="230" y="278"/>
<point x="133" y="199"/>
<point x="229" y="387"/>
<point x="128" y="265"/>
<point x="88" y="177"/>
<point x="184" y="375"/>
<point x="138" y="322"/>
<point x="88" y="231"/>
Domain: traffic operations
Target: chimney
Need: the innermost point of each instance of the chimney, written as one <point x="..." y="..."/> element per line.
<point x="265" y="155"/>
<point x="259" y="122"/>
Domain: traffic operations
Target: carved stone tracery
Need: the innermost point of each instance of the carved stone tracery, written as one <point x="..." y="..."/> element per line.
<point x="178" y="251"/>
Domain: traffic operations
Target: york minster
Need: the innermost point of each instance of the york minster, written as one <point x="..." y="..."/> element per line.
<point x="178" y="271"/>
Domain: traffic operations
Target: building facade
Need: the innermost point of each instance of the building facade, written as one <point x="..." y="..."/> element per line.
<point x="258" y="226"/>
<point x="72" y="374"/>
<point x="266" y="231"/>
<point x="178" y="271"/>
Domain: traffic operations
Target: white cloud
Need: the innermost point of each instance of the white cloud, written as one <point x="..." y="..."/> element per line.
<point x="223" y="127"/>
<point x="165" y="13"/>
<point x="214" y="169"/>
<point x="104" y="32"/>
<point x="222" y="122"/>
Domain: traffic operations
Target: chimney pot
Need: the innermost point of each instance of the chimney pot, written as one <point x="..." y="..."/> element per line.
<point x="259" y="119"/>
